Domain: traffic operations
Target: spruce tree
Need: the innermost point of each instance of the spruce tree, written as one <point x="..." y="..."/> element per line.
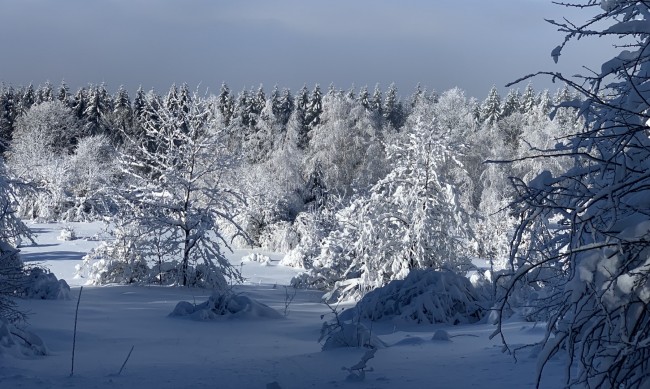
<point x="491" y="107"/>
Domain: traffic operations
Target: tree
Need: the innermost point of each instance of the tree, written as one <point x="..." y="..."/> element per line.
<point x="409" y="219"/>
<point x="225" y="104"/>
<point x="393" y="109"/>
<point x="346" y="146"/>
<point x="528" y="100"/>
<point x="7" y="117"/>
<point x="11" y="266"/>
<point x="63" y="94"/>
<point x="68" y="173"/>
<point x="512" y="103"/>
<point x="176" y="188"/>
<point x="315" y="108"/>
<point x="491" y="108"/>
<point x="584" y="239"/>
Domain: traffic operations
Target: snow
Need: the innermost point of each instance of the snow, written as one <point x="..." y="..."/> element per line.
<point x="251" y="352"/>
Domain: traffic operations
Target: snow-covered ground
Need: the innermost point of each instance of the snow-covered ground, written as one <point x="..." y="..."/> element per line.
<point x="171" y="352"/>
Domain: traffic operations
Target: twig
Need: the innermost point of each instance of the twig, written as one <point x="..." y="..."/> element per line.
<point x="74" y="335"/>
<point x="126" y="360"/>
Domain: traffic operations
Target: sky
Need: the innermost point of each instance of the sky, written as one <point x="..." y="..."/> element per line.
<point x="440" y="44"/>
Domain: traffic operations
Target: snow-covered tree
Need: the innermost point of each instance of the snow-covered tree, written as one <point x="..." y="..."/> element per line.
<point x="66" y="172"/>
<point x="491" y="110"/>
<point x="346" y="146"/>
<point x="410" y="219"/>
<point x="584" y="238"/>
<point x="12" y="230"/>
<point x="177" y="188"/>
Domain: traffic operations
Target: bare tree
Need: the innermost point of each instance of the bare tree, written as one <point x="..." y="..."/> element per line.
<point x="584" y="237"/>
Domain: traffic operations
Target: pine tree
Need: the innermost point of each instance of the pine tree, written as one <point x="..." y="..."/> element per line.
<point x="7" y="117"/>
<point x="393" y="109"/>
<point x="315" y="108"/>
<point x="27" y="100"/>
<point x="528" y="100"/>
<point x="44" y="93"/>
<point x="286" y="107"/>
<point x="364" y="98"/>
<point x="512" y="103"/>
<point x="225" y="104"/>
<point x="491" y="107"/>
<point x="122" y="115"/>
<point x="139" y="106"/>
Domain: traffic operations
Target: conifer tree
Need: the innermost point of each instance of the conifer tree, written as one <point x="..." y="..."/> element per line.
<point x="528" y="100"/>
<point x="491" y="107"/>
<point x="315" y="108"/>
<point x="225" y="104"/>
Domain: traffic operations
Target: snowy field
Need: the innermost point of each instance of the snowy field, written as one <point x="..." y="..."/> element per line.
<point x="171" y="352"/>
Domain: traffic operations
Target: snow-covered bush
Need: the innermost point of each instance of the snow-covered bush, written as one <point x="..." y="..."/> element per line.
<point x="340" y="333"/>
<point x="279" y="237"/>
<point x="117" y="261"/>
<point x="348" y="334"/>
<point x="19" y="342"/>
<point x="310" y="227"/>
<point x="41" y="284"/>
<point x="67" y="233"/>
<point x="424" y="296"/>
<point x="225" y="305"/>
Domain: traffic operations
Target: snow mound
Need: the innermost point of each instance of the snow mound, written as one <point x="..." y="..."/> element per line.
<point x="41" y="284"/>
<point x="424" y="296"/>
<point x="410" y="341"/>
<point x="227" y="304"/>
<point x="257" y="257"/>
<point x="441" y="335"/>
<point x="18" y="342"/>
<point x="349" y="335"/>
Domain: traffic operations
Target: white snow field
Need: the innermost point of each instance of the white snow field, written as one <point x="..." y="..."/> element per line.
<point x="173" y="352"/>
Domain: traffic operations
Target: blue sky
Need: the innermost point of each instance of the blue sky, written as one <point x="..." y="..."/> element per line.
<point x="472" y="44"/>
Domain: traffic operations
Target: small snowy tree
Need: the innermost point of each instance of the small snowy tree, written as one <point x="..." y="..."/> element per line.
<point x="177" y="187"/>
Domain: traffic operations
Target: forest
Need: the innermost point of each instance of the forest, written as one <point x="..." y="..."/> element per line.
<point x="531" y="204"/>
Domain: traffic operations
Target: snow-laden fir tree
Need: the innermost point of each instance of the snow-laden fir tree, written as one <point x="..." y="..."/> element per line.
<point x="491" y="110"/>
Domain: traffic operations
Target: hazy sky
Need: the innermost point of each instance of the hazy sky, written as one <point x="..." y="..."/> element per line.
<point x="472" y="44"/>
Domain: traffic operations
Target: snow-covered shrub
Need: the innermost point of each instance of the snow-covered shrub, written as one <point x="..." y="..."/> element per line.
<point x="67" y="233"/>
<point x="117" y="261"/>
<point x="225" y="304"/>
<point x="311" y="227"/>
<point x="348" y="334"/>
<point x="41" y="284"/>
<point x="424" y="296"/>
<point x="279" y="237"/>
<point x="357" y="372"/>
<point x="19" y="342"/>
